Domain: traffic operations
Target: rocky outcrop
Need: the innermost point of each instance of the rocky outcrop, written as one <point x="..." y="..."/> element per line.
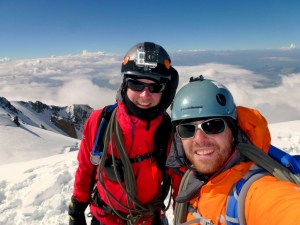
<point x="15" y="119"/>
<point x="66" y="126"/>
<point x="4" y="103"/>
<point x="40" y="107"/>
<point x="78" y="114"/>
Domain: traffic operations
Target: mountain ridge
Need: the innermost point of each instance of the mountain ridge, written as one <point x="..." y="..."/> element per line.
<point x="65" y="120"/>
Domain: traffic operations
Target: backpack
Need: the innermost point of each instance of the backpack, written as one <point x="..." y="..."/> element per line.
<point x="277" y="163"/>
<point x="161" y="139"/>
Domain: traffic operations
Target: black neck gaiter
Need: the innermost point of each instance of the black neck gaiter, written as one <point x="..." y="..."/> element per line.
<point x="143" y="114"/>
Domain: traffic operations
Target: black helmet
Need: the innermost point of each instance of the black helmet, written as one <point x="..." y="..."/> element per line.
<point x="147" y="60"/>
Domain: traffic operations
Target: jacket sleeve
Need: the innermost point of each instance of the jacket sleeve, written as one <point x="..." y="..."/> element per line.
<point x="84" y="172"/>
<point x="270" y="201"/>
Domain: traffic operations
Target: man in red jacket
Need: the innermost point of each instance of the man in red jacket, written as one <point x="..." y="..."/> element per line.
<point x="132" y="194"/>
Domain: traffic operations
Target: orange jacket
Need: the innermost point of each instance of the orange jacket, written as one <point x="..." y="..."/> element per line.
<point x="268" y="201"/>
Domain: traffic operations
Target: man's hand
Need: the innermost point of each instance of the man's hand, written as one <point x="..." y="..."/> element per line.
<point x="76" y="212"/>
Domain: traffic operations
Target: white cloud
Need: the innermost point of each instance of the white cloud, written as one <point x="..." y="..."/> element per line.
<point x="197" y="50"/>
<point x="85" y="52"/>
<point x="292" y="46"/>
<point x="45" y="79"/>
<point x="221" y="72"/>
<point x="94" y="78"/>
<point x="5" y="59"/>
<point x="83" y="91"/>
<point x="276" y="104"/>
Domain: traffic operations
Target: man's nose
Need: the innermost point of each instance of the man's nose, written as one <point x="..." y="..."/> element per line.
<point x="200" y="135"/>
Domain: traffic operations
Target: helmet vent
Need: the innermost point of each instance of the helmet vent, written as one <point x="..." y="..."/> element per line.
<point x="221" y="99"/>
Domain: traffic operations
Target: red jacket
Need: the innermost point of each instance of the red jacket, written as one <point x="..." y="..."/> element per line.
<point x="137" y="141"/>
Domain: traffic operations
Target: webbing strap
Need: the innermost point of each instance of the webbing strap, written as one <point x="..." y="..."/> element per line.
<point x="198" y="218"/>
<point x="141" y="158"/>
<point x="231" y="208"/>
<point x="106" y="113"/>
<point x="182" y="208"/>
<point x="201" y="221"/>
<point x="235" y="206"/>
<point x="265" y="161"/>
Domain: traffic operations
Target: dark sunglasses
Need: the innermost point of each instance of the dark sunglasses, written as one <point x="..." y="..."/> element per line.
<point x="136" y="85"/>
<point x="211" y="126"/>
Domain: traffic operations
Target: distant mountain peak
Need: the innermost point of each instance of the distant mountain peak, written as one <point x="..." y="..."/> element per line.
<point x="67" y="120"/>
<point x="4" y="103"/>
<point x="39" y="107"/>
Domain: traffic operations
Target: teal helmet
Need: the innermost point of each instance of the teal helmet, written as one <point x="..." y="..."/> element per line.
<point x="202" y="98"/>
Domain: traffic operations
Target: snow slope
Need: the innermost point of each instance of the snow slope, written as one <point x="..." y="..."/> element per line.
<point x="27" y="142"/>
<point x="38" y="166"/>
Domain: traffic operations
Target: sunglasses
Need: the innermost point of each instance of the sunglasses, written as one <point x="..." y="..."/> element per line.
<point x="211" y="126"/>
<point x="136" y="85"/>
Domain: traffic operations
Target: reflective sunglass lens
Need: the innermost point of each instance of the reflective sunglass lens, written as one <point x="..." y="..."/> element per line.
<point x="215" y="126"/>
<point x="139" y="86"/>
<point x="186" y="130"/>
<point x="156" y="87"/>
<point x="135" y="85"/>
<point x="212" y="126"/>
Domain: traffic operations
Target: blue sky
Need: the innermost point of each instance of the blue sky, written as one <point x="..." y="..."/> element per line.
<point x="34" y="29"/>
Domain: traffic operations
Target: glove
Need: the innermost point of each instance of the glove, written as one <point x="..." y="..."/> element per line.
<point x="76" y="212"/>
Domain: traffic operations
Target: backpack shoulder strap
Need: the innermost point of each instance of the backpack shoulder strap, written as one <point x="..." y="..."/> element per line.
<point x="181" y="209"/>
<point x="198" y="218"/>
<point x="161" y="140"/>
<point x="267" y="162"/>
<point x="98" y="144"/>
<point x="235" y="205"/>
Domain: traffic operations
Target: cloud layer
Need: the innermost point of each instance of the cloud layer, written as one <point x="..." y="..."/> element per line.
<point x="93" y="78"/>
